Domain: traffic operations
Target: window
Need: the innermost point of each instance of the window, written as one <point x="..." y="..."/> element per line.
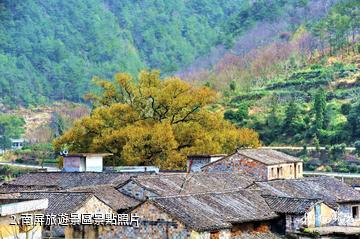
<point x="355" y="212"/>
<point x="290" y="169"/>
<point x="278" y="172"/>
<point x="292" y="222"/>
<point x="272" y="172"/>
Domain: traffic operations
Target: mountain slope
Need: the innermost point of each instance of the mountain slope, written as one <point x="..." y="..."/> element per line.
<point x="49" y="50"/>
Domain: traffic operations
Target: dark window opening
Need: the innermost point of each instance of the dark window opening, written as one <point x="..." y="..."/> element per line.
<point x="355" y="212"/>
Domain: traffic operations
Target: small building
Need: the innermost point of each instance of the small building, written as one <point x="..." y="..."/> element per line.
<point x="204" y="215"/>
<point x="17" y="144"/>
<point x="102" y="185"/>
<point x="263" y="164"/>
<point x="331" y="191"/>
<point x="67" y="203"/>
<point x="195" y="162"/>
<point x="11" y="210"/>
<point x="300" y="213"/>
<point x="84" y="162"/>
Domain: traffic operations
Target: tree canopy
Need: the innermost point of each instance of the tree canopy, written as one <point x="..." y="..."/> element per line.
<point x="11" y="127"/>
<point x="154" y="122"/>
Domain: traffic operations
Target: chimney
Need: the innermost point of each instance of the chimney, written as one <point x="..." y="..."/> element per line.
<point x="195" y="162"/>
<point x="84" y="162"/>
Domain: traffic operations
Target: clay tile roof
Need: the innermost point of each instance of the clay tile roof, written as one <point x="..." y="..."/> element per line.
<point x="328" y="189"/>
<point x="290" y="205"/>
<point x="67" y="180"/>
<point x="59" y="202"/>
<point x="174" y="184"/>
<point x="214" y="211"/>
<point x="110" y="196"/>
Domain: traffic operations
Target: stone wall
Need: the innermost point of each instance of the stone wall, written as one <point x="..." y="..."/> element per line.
<point x="345" y="217"/>
<point x="294" y="222"/>
<point x="241" y="164"/>
<point x="132" y="189"/>
<point x="94" y="205"/>
<point x="328" y="216"/>
<point x="154" y="223"/>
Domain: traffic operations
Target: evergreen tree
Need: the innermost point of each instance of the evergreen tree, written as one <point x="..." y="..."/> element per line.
<point x="293" y="122"/>
<point x="319" y="108"/>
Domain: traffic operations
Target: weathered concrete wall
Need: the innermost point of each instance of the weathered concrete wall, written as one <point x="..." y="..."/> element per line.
<point x="241" y="164"/>
<point x="345" y="217"/>
<point x="328" y="216"/>
<point x="294" y="222"/>
<point x="285" y="171"/>
<point x="132" y="189"/>
<point x="154" y="223"/>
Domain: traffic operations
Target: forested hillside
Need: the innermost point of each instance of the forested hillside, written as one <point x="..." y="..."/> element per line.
<point x="50" y="50"/>
<point x="302" y="89"/>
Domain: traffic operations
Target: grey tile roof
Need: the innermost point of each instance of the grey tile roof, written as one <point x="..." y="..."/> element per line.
<point x="8" y="188"/>
<point x="290" y="205"/>
<point x="213" y="211"/>
<point x="174" y="184"/>
<point x="102" y="185"/>
<point x="66" y="180"/>
<point x="268" y="156"/>
<point x="110" y="196"/>
<point x="265" y="156"/>
<point x="328" y="189"/>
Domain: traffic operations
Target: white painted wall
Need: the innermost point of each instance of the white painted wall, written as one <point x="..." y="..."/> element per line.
<point x="22" y="207"/>
<point x="94" y="164"/>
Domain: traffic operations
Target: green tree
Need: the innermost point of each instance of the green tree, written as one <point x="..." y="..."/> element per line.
<point x="11" y="126"/>
<point x="316" y="143"/>
<point x="239" y="116"/>
<point x="357" y="147"/>
<point x="353" y="119"/>
<point x="154" y="122"/>
<point x="319" y="109"/>
<point x="293" y="121"/>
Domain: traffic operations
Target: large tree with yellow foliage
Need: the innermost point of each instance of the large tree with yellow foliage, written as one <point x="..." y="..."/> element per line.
<point x="154" y="122"/>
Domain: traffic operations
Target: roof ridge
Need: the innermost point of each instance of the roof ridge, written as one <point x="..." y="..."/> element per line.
<point x="57" y="192"/>
<point x="288" y="197"/>
<point x="204" y="193"/>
